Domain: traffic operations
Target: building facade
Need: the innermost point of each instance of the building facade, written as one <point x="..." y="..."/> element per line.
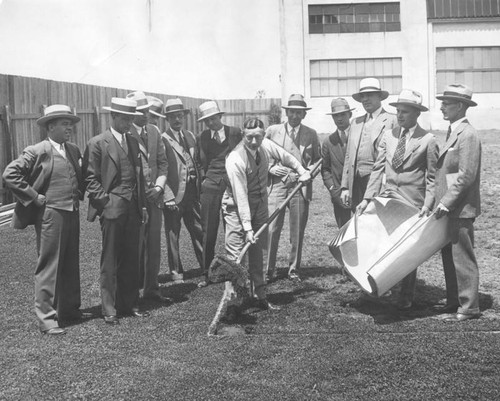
<point x="327" y="46"/>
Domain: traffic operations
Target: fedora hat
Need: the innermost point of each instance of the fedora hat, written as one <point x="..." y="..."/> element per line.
<point x="296" y="102"/>
<point x="369" y="85"/>
<point x="458" y="93"/>
<point x="175" y="105"/>
<point x="155" y="106"/>
<point x="410" y="97"/>
<point x="123" y="106"/>
<point x="209" y="109"/>
<point x="140" y="98"/>
<point x="339" y="105"/>
<point x="57" y="111"/>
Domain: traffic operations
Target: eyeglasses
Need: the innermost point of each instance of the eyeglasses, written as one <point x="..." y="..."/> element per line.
<point x="446" y="104"/>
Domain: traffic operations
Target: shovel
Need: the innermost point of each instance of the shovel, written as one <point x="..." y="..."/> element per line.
<point x="233" y="273"/>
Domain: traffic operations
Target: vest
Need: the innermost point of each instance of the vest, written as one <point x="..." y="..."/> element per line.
<point x="126" y="187"/>
<point x="62" y="192"/>
<point x="364" y="157"/>
<point x="257" y="178"/>
<point x="216" y="157"/>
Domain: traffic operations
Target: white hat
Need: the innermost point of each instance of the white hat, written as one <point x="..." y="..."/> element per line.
<point x="458" y="93"/>
<point x="339" y="105"/>
<point x="175" y="105"/>
<point x="155" y="106"/>
<point x="140" y="98"/>
<point x="123" y="106"/>
<point x="296" y="102"/>
<point x="57" y="111"/>
<point x="370" y="85"/>
<point x="209" y="109"/>
<point x="410" y="97"/>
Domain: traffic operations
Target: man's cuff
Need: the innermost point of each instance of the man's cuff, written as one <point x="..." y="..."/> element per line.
<point x="247" y="226"/>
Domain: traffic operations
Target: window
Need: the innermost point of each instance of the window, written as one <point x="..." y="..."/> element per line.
<point x="340" y="77"/>
<point x="477" y="67"/>
<point x="345" y="18"/>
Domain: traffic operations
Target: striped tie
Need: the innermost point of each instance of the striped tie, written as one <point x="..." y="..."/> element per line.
<point x="399" y="154"/>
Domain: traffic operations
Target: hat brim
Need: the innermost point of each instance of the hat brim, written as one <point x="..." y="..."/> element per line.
<point x="357" y="96"/>
<point x="416" y="106"/>
<point x="186" y="111"/>
<point x="338" y="112"/>
<point x="121" y="111"/>
<point x="210" y="115"/>
<point x="45" y="119"/>
<point x="457" y="99"/>
<point x="296" y="108"/>
<point x="156" y="114"/>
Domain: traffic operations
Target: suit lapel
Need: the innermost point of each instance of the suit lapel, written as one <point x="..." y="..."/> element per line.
<point x="453" y="138"/>
<point x="379" y="125"/>
<point x="112" y="148"/>
<point x="414" y="142"/>
<point x="142" y="146"/>
<point x="169" y="136"/>
<point x="337" y="150"/>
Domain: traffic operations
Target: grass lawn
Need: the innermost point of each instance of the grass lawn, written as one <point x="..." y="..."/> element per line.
<point x="329" y="341"/>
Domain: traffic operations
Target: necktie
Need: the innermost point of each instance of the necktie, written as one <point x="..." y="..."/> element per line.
<point x="217" y="137"/>
<point x="257" y="158"/>
<point x="399" y="154"/>
<point x="144" y="136"/>
<point x="343" y="138"/>
<point x="448" y="133"/>
<point x="292" y="135"/>
<point x="124" y="144"/>
<point x="182" y="142"/>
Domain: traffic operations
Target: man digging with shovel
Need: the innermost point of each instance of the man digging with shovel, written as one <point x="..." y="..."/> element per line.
<point x="245" y="209"/>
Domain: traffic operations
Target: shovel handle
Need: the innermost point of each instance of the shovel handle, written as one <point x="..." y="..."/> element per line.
<point x="314" y="172"/>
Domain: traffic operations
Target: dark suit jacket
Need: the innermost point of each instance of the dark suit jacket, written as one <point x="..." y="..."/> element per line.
<point x="383" y="122"/>
<point x="458" y="173"/>
<point x="415" y="178"/>
<point x="233" y="136"/>
<point x="29" y="175"/>
<point x="307" y="153"/>
<point x="102" y="173"/>
<point x="333" y="154"/>
<point x="177" y="170"/>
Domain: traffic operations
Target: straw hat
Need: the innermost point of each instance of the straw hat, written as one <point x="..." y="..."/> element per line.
<point x="175" y="105"/>
<point x="339" y="105"/>
<point x="296" y="102"/>
<point x="209" y="109"/>
<point x="140" y="98"/>
<point x="57" y="111"/>
<point x="155" y="106"/>
<point x="458" y="92"/>
<point x="123" y="106"/>
<point x="368" y="85"/>
<point x="410" y="97"/>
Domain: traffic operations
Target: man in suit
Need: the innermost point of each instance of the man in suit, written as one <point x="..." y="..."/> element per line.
<point x="116" y="190"/>
<point x="457" y="195"/>
<point x="302" y="142"/>
<point x="212" y="146"/>
<point x="155" y="168"/>
<point x="182" y="195"/>
<point x="48" y="184"/>
<point x="155" y="112"/>
<point x="333" y="152"/>
<point x="365" y="136"/>
<point x="244" y="203"/>
<point x="407" y="156"/>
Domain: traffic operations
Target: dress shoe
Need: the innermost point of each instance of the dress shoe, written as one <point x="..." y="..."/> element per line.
<point x="460" y="317"/>
<point x="158" y="298"/>
<point x="76" y="317"/>
<point x="112" y="320"/>
<point x="137" y="313"/>
<point x="177" y="277"/>
<point x="54" y="331"/>
<point x="264" y="304"/>
<point x="404" y="305"/>
<point x="203" y="283"/>
<point x="294" y="277"/>
<point x="440" y="308"/>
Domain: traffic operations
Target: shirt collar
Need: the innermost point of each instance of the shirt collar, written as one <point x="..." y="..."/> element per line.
<point x="375" y="114"/>
<point x="116" y="134"/>
<point x="290" y="128"/>
<point x="221" y="131"/>
<point x="455" y="124"/>
<point x="55" y="144"/>
<point x="138" y="128"/>
<point x="411" y="131"/>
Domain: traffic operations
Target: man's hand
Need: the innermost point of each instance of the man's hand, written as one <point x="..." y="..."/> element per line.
<point x="362" y="206"/>
<point x="306" y="177"/>
<point x="441" y="211"/>
<point x="170" y="205"/>
<point x="425" y="211"/>
<point x="153" y="194"/>
<point x="250" y="237"/>
<point x="145" y="216"/>
<point x="40" y="200"/>
<point x="344" y="197"/>
<point x="278" y="171"/>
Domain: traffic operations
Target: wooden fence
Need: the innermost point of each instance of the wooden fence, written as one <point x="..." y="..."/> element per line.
<point x="23" y="99"/>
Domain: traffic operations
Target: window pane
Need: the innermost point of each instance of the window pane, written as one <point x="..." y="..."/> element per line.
<point x="333" y="69"/>
<point x="323" y="68"/>
<point x="314" y="69"/>
<point x="315" y="87"/>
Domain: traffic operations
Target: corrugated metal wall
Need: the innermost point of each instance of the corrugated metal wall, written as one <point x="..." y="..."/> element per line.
<point x="448" y="9"/>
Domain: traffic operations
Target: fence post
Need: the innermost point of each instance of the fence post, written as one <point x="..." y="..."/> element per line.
<point x="9" y="153"/>
<point x="97" y="121"/>
<point x="43" y="130"/>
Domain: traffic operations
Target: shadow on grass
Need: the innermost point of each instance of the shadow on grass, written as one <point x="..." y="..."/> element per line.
<point x="384" y="310"/>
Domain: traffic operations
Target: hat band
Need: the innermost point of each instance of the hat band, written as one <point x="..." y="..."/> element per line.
<point x="447" y="93"/>
<point x="370" y="88"/>
<point x="125" y="109"/>
<point x="59" y="113"/>
<point x="142" y="102"/>
<point x="174" y="107"/>
<point x="297" y="103"/>
<point x="212" y="110"/>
